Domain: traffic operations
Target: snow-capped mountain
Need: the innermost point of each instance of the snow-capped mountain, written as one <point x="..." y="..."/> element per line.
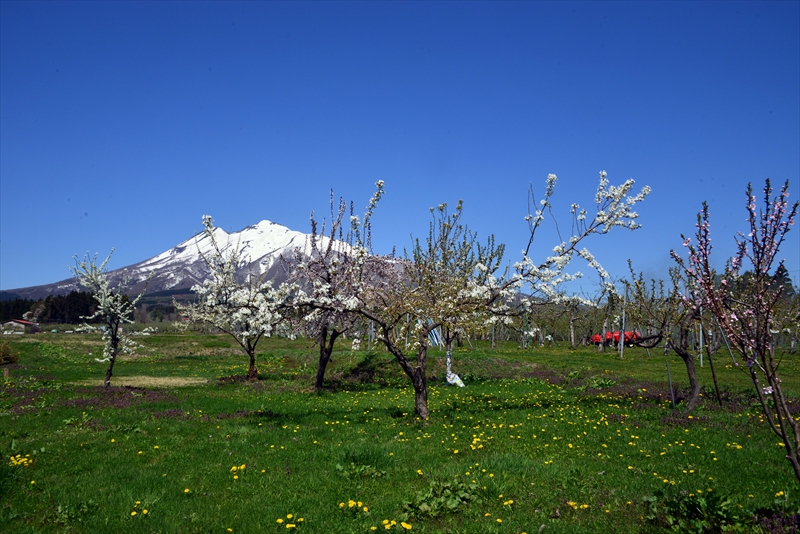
<point x="182" y="266"/>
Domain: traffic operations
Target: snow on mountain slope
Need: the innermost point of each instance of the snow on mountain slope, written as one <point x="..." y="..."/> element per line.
<point x="182" y="266"/>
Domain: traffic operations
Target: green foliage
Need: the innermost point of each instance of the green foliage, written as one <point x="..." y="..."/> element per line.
<point x="697" y="512"/>
<point x="441" y="497"/>
<point x="600" y="382"/>
<point x="49" y="350"/>
<point x="66" y="514"/>
<point x="78" y="422"/>
<point x="359" y="471"/>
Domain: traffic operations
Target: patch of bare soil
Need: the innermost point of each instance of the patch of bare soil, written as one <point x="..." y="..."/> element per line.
<point x="117" y="397"/>
<point x="148" y="381"/>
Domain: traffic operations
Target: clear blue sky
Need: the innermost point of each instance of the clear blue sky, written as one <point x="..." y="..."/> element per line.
<point x="123" y="123"/>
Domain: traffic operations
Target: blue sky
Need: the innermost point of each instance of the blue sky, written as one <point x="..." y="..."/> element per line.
<point x="121" y="124"/>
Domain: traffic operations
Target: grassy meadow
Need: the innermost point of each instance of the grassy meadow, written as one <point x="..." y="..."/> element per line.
<point x="540" y="440"/>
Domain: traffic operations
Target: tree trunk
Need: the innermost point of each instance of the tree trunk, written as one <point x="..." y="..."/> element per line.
<point x="419" y="377"/>
<point x="714" y="375"/>
<point x="682" y="350"/>
<point x="114" y="332"/>
<point x="325" y="350"/>
<point x="421" y="393"/>
<point x="602" y="344"/>
<point x="109" y="371"/>
<point x="415" y="373"/>
<point x="252" y="372"/>
<point x="572" y="328"/>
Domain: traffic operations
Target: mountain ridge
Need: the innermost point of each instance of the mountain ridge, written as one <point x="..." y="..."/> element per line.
<point x="183" y="266"/>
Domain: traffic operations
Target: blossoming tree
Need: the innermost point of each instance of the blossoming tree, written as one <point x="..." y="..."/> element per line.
<point x="447" y="282"/>
<point x="745" y="307"/>
<point x="447" y="272"/>
<point x="420" y="287"/>
<point x="614" y="209"/>
<point x="114" y="308"/>
<point x="245" y="307"/>
<point x="667" y="314"/>
<point x="325" y="271"/>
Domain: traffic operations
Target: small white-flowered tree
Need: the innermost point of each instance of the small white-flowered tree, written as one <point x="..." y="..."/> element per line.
<point x="615" y="209"/>
<point x="445" y="274"/>
<point x="114" y="308"/>
<point x="244" y="306"/>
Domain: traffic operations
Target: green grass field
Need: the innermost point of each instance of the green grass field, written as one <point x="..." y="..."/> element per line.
<point x="544" y="440"/>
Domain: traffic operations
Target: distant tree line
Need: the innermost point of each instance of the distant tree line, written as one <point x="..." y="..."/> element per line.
<point x="68" y="309"/>
<point x="14" y="309"/>
<point x="72" y="308"/>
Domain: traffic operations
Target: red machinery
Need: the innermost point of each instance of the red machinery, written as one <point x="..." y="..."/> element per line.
<point x="613" y="338"/>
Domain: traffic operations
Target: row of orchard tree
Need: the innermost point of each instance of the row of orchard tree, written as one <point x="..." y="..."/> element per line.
<point x="451" y="283"/>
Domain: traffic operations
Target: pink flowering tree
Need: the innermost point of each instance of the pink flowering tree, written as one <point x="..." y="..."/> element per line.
<point x="327" y="273"/>
<point x="746" y="304"/>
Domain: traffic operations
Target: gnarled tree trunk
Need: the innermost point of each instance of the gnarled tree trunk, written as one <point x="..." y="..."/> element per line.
<point x="326" y="343"/>
<point x="682" y="349"/>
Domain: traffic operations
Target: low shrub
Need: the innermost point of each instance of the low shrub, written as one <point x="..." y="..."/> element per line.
<point x="7" y="354"/>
